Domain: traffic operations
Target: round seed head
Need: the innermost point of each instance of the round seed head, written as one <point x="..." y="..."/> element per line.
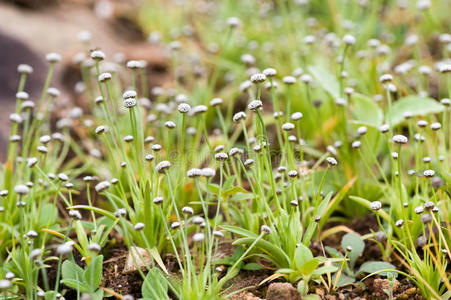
<point x="120" y="212"/>
<point x="175" y="225"/>
<point x="422" y="123"/>
<point x="100" y="129"/>
<point x="332" y="161"/>
<point x="216" y="102"/>
<point x="184" y="108"/>
<point x="255" y="105"/>
<point x="94" y="247"/>
<point x="21" y="189"/>
<point x="195" y="172"/>
<point x="15" y="118"/>
<point x="129" y="94"/>
<point x="102" y="186"/>
<point x="97" y="55"/>
<point x="362" y="130"/>
<point x="248" y="162"/>
<point x="130" y="103"/>
<point x="134" y="64"/>
<point x="386" y="78"/>
<point x="128" y="138"/>
<point x="5" y="284"/>
<point x="436" y="126"/>
<point x="258" y="78"/>
<point x="239" y="116"/>
<point x="35" y="254"/>
<point x="63" y="177"/>
<point x="400" y="139"/>
<point x="306" y="78"/>
<point x="289" y="80"/>
<point x="104" y="77"/>
<point x="236" y="151"/>
<point x="75" y="214"/>
<point x="149" y="157"/>
<point x="27" y="105"/>
<point x="162" y="166"/>
<point x="288" y="126"/>
<point x="356" y="144"/>
<point x="53" y="58"/>
<point x="445" y="101"/>
<point x="380" y="236"/>
<point x="139" y="226"/>
<point x="22" y="96"/>
<point x="169" y="124"/>
<point x="399" y="223"/>
<point x="198" y="237"/>
<point x="198" y="109"/>
<point x="376" y="205"/>
<point x="24" y="69"/>
<point x="64" y="249"/>
<point x="233" y="22"/>
<point x="349" y="39"/>
<point x="221" y="156"/>
<point x="208" y="172"/>
<point x="158" y="200"/>
<point x="265" y="229"/>
<point x="296" y="116"/>
<point x="429" y="173"/>
<point x="156" y="147"/>
<point x="293" y="173"/>
<point x="270" y="72"/>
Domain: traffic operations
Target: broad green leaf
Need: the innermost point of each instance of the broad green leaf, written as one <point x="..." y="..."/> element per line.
<point x="233" y="191"/>
<point x="343" y="280"/>
<point x="354" y="241"/>
<point x="252" y="267"/>
<point x="376" y="266"/>
<point x="155" y="285"/>
<point x="47" y="214"/>
<point x="365" y="111"/>
<point x="73" y="276"/>
<point x="93" y="273"/>
<point x="325" y="269"/>
<point x="81" y="235"/>
<point x="326" y="79"/>
<point x="277" y="256"/>
<point x="309" y="266"/>
<point x="415" y="105"/>
<point x="301" y="256"/>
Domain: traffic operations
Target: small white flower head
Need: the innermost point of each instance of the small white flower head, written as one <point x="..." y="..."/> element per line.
<point x="27" y="105"/>
<point x="104" y="77"/>
<point x="94" y="247"/>
<point x="194" y="172"/>
<point x="98" y="100"/>
<point x="4" y="193"/>
<point x="422" y="123"/>
<point x="356" y="144"/>
<point x="22" y="96"/>
<point x="114" y="181"/>
<point x="332" y="161"/>
<point x="32" y="234"/>
<point x="423" y="4"/>
<point x="175" y="225"/>
<point x="208" y="172"/>
<point x="241" y="115"/>
<point x="340" y="101"/>
<point x="169" y="124"/>
<point x="163" y="166"/>
<point x="296" y="116"/>
<point x="376" y="205"/>
<point x="149" y="157"/>
<point x="445" y="102"/>
<point x="53" y="92"/>
<point x="15" y="118"/>
<point x="120" y="212"/>
<point x="289" y="80"/>
<point x="294" y="203"/>
<point x="149" y="139"/>
<point x="270" y="72"/>
<point x="129" y="94"/>
<point x="102" y="186"/>
<point x="258" y="78"/>
<point x="288" y="126"/>
<point x="386" y="78"/>
<point x="215" y="102"/>
<point x="198" y="109"/>
<point x="21" y="189"/>
<point x="158" y="200"/>
<point x="198" y="220"/>
<point x="97" y="55"/>
<point x="429" y="173"/>
<point x="63" y="177"/>
<point x="221" y="156"/>
<point x="265" y="229"/>
<point x="24" y="69"/>
<point x="198" y="237"/>
<point x="31" y="162"/>
<point x="130" y="103"/>
<point x="293" y="173"/>
<point x="218" y="234"/>
<point x="45" y="139"/>
<point x="419" y="210"/>
<point x="429" y="205"/>
<point x="394" y="155"/>
<point x="65" y="249"/>
<point x="399" y="223"/>
<point x="5" y="284"/>
<point x="349" y="39"/>
<point x="236" y="151"/>
<point x="400" y="139"/>
<point x="75" y="214"/>
<point x="255" y="105"/>
<point x="248" y="59"/>
<point x="156" y="147"/>
<point x="248" y="162"/>
<point x="219" y="148"/>
<point x="139" y="226"/>
<point x="100" y="129"/>
<point x="233" y="22"/>
<point x="436" y="126"/>
<point x="183" y="107"/>
<point x="128" y="138"/>
<point x="35" y="254"/>
<point x="362" y="130"/>
<point x="134" y="64"/>
<point x="444" y="68"/>
<point x="53" y="58"/>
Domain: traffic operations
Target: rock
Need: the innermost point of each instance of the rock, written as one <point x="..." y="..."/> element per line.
<point x="279" y="290"/>
<point x="379" y="285"/>
<point x="245" y="296"/>
<point x="136" y="258"/>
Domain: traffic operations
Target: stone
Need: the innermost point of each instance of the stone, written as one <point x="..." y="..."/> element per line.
<point x="136" y="258"/>
<point x="279" y="290"/>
